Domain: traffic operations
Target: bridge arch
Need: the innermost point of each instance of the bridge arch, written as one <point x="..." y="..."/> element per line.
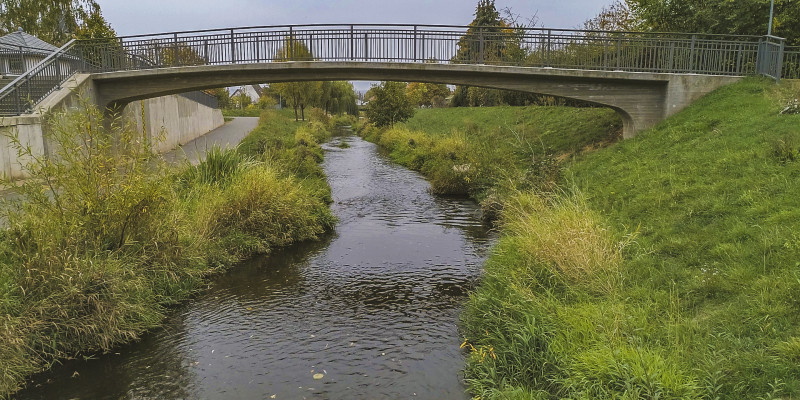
<point x="641" y="99"/>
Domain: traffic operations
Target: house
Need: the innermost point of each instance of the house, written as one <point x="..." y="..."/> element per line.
<point x="20" y="52"/>
<point x="254" y="92"/>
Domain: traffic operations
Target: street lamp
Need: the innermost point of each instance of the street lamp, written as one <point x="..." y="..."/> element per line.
<point x="771" y="13"/>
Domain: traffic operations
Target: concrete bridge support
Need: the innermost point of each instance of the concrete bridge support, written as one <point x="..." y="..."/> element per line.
<point x="642" y="99"/>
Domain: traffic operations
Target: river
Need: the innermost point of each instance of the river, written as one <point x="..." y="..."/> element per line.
<point x="369" y="312"/>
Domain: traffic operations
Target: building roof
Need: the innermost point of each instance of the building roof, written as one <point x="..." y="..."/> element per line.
<point x="20" y="40"/>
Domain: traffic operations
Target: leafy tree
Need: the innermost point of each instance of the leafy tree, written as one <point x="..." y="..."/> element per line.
<point x="241" y="100"/>
<point x="337" y="97"/>
<point x="222" y="95"/>
<point x="427" y="94"/>
<point x="389" y="105"/>
<point x="617" y="17"/>
<point x="744" y="17"/>
<point x="298" y="95"/>
<point x="481" y="44"/>
<point x="180" y="55"/>
<point x="95" y="26"/>
<point x="54" y="21"/>
<point x="491" y="38"/>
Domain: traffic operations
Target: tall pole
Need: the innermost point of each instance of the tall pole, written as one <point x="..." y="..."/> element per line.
<point x="771" y="14"/>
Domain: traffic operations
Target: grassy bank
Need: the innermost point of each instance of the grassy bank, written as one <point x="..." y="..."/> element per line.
<point x="106" y="236"/>
<point x="488" y="153"/>
<point x="668" y="269"/>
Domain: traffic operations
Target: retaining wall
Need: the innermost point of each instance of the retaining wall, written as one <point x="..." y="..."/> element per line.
<point x="179" y="119"/>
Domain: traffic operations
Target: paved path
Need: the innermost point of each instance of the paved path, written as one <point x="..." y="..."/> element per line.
<point x="228" y="135"/>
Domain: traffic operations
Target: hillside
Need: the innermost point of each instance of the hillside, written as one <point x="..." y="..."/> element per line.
<point x="668" y="267"/>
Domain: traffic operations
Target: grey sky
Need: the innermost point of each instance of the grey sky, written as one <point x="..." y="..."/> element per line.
<point x="129" y="17"/>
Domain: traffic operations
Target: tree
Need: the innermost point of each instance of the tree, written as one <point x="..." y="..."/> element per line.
<point x="742" y="17"/>
<point x="223" y="98"/>
<point x="617" y="17"/>
<point x="389" y="105"/>
<point x="491" y="38"/>
<point x="241" y="100"/>
<point x="95" y="26"/>
<point x="337" y="97"/>
<point x="298" y="95"/>
<point x="54" y="21"/>
<point x="427" y="94"/>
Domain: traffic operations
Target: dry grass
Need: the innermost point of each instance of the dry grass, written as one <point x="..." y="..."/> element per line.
<point x="562" y="233"/>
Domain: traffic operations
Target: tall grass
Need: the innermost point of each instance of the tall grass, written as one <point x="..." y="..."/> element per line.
<point x="104" y="235"/>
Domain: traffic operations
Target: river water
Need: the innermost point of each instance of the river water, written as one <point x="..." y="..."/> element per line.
<point x="373" y="307"/>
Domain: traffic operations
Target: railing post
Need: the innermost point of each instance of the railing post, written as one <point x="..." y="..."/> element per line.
<point x="175" y="61"/>
<point x="547" y="53"/>
<point x="311" y="43"/>
<point x="291" y="43"/>
<point x="691" y="53"/>
<point x="779" y="64"/>
<point x="619" y="53"/>
<point x="205" y="51"/>
<point x="366" y="47"/>
<point x="480" y="46"/>
<point x="415" y="43"/>
<point x="738" y="59"/>
<point x="233" y="48"/>
<point x="352" y="44"/>
<point x="671" y="63"/>
<point x="423" y="47"/>
<point x="17" y="102"/>
<point x="58" y="71"/>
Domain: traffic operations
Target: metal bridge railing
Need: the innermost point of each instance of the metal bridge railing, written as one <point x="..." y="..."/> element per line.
<point x="23" y="93"/>
<point x="791" y="62"/>
<point x="557" y="48"/>
<point x="202" y="98"/>
<point x="540" y="47"/>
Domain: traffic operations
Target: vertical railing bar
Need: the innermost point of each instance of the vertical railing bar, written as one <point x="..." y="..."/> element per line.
<point x="233" y="48"/>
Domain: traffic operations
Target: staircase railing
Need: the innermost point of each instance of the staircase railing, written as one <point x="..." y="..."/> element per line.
<point x="23" y="93"/>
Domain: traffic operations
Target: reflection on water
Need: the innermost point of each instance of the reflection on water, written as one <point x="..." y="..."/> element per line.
<point x="373" y="307"/>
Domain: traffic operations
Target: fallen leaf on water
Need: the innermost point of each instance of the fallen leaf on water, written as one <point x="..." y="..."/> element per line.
<point x="318" y="376"/>
<point x="273" y="396"/>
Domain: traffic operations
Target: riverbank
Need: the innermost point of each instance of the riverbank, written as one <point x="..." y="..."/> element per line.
<point x="662" y="266"/>
<point x="107" y="237"/>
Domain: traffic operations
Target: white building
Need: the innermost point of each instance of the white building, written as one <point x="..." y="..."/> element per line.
<point x="20" y="52"/>
<point x="252" y="91"/>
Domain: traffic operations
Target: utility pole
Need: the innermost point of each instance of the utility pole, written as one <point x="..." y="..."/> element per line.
<point x="771" y="15"/>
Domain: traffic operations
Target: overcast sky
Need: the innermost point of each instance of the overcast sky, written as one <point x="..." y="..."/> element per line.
<point x="130" y="17"/>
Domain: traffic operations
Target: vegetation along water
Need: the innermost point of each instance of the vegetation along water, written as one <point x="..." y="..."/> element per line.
<point x="665" y="266"/>
<point x="105" y="235"/>
<point x="369" y="310"/>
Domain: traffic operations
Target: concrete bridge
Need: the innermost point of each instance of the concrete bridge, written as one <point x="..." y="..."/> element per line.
<point x="644" y="77"/>
<point x="641" y="99"/>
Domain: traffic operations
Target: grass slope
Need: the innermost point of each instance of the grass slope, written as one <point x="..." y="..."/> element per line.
<point x="555" y="130"/>
<point x="668" y="268"/>
<point x="484" y="152"/>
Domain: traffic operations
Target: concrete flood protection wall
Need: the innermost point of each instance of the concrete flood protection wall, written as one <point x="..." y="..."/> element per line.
<point x="180" y="119"/>
<point x="174" y="119"/>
